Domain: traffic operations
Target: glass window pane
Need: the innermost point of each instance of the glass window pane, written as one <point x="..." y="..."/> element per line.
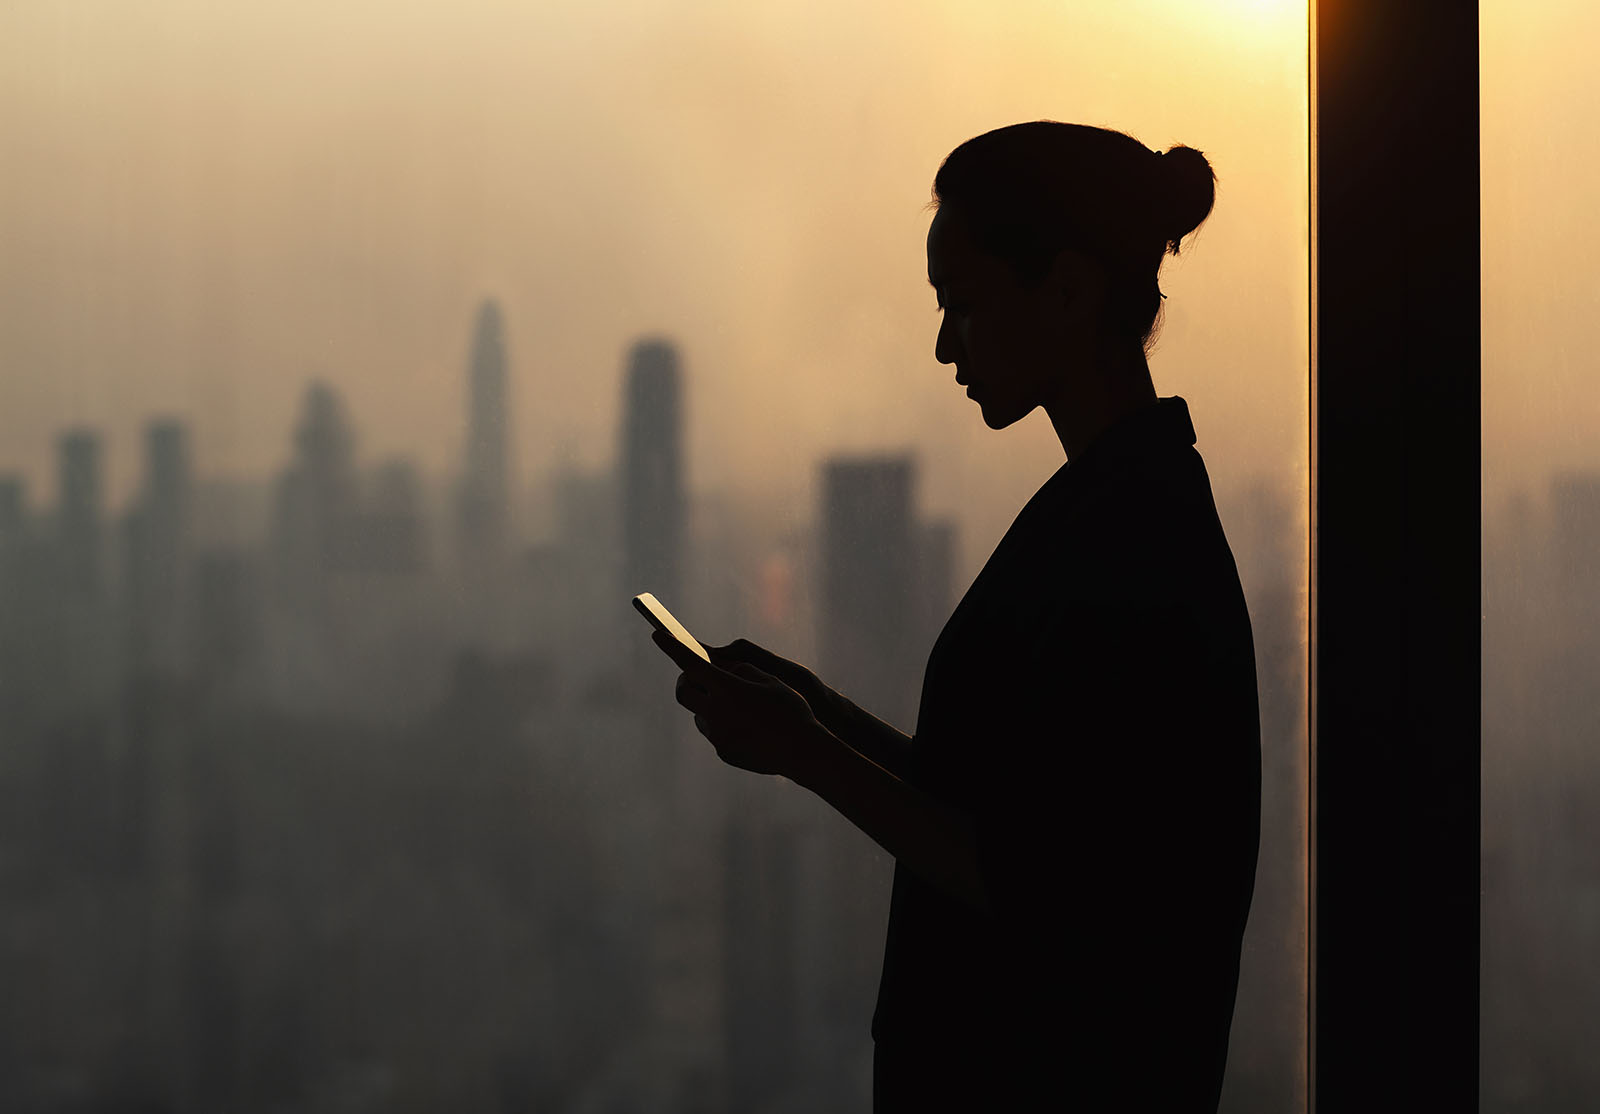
<point x="362" y="359"/>
<point x="1541" y="539"/>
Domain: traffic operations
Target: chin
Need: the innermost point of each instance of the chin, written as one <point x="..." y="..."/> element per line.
<point x="996" y="417"/>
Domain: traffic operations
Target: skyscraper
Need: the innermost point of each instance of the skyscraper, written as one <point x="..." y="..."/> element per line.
<point x="79" y="526"/>
<point x="870" y="614"/>
<point x="876" y="567"/>
<point x="762" y="915"/>
<point x="392" y="536"/>
<point x="653" y="505"/>
<point x="484" y="500"/>
<point x="678" y="819"/>
<point x="73" y="648"/>
<point x="158" y="554"/>
<point x="316" y="498"/>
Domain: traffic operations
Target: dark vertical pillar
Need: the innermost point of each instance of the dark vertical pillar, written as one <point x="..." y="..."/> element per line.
<point x="1395" y="622"/>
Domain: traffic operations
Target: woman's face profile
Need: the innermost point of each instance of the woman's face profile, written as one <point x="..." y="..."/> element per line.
<point x="1008" y="341"/>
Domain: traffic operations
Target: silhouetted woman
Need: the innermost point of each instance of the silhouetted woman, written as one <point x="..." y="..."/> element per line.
<point x="1075" y="822"/>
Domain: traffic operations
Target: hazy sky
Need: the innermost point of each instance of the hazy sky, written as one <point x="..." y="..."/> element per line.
<point x="204" y="205"/>
<point x="1541" y="241"/>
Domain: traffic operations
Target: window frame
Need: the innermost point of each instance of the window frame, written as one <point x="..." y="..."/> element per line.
<point x="1395" y="636"/>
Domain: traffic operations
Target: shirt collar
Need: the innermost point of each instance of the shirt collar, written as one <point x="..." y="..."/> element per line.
<point x="1163" y="423"/>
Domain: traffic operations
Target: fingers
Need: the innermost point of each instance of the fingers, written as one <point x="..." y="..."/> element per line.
<point x="749" y="672"/>
<point x="683" y="657"/>
<point x="690" y="692"/>
<point x="703" y="684"/>
<point x="709" y="675"/>
<point x="740" y="649"/>
<point x="692" y="696"/>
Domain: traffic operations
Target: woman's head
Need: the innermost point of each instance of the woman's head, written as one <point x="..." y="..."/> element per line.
<point x="1048" y="240"/>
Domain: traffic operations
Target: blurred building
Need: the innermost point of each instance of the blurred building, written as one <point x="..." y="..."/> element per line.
<point x="573" y="584"/>
<point x="679" y="813"/>
<point x="871" y="617"/>
<point x="227" y="617"/>
<point x="766" y="1057"/>
<point x="483" y="501"/>
<point x="80" y="513"/>
<point x="313" y="509"/>
<point x="75" y="594"/>
<point x="315" y="499"/>
<point x="158" y="559"/>
<point x="390" y="530"/>
<point x="884" y="590"/>
<point x="654" y="507"/>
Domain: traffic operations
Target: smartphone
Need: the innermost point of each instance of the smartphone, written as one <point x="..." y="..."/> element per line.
<point x="663" y="621"/>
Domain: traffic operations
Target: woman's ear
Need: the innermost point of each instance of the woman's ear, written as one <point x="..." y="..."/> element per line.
<point x="1078" y="279"/>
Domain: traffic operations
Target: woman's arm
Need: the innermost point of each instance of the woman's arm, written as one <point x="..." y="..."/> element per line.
<point x="882" y="742"/>
<point x="759" y="721"/>
<point x="928" y="837"/>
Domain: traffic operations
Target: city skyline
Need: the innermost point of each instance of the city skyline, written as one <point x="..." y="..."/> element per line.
<point x="356" y="359"/>
<point x="322" y="203"/>
<point x="330" y="636"/>
<point x="327" y="510"/>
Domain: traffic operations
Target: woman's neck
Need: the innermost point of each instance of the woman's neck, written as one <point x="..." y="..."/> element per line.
<point x="1089" y="404"/>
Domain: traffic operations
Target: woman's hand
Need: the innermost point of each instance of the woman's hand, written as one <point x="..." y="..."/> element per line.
<point x="791" y="673"/>
<point x="755" y="721"/>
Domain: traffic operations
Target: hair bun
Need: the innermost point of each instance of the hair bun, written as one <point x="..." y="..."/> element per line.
<point x="1186" y="188"/>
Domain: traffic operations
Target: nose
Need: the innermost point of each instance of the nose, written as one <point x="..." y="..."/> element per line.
<point x="945" y="346"/>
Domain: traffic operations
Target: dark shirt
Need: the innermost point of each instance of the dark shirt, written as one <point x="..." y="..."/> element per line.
<point x="1091" y="704"/>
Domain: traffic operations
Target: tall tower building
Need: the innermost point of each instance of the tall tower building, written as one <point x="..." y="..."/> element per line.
<point x="653" y="504"/>
<point x="870" y="614"/>
<point x="870" y="620"/>
<point x="393" y="536"/>
<point x="678" y="823"/>
<point x="77" y="656"/>
<point x="158" y="553"/>
<point x="484" y="501"/>
<point x="308" y="623"/>
<point x="80" y="529"/>
<point x="316" y="497"/>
